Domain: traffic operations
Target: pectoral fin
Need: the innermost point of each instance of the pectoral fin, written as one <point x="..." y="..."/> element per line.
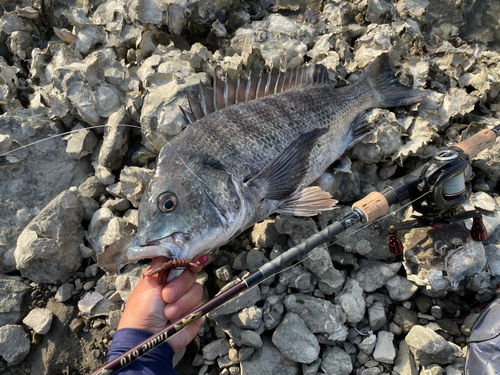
<point x="283" y="175"/>
<point x="307" y="202"/>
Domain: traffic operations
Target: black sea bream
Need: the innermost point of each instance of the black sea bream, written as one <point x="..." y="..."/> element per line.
<point x="235" y="164"/>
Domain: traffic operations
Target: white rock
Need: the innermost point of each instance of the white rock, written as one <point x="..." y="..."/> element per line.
<point x="40" y="320"/>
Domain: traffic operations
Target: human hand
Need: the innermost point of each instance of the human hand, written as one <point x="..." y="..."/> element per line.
<point x="151" y="306"/>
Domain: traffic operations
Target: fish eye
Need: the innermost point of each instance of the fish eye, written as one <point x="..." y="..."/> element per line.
<point x="167" y="202"/>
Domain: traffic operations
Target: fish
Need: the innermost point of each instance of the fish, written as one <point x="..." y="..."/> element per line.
<point x="251" y="149"/>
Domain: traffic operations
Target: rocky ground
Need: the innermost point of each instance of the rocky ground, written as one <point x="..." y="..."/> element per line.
<point x="68" y="205"/>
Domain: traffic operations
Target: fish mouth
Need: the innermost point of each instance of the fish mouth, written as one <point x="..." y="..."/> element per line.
<point x="170" y="246"/>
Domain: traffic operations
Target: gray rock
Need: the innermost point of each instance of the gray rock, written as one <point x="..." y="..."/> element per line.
<point x="400" y="288"/>
<point x="91" y="271"/>
<point x="46" y="171"/>
<point x="437" y="312"/>
<point x="104" y="175"/>
<point x="385" y="351"/>
<point x="429" y="347"/>
<point x="379" y="11"/>
<point x="352" y="301"/>
<point x="372" y="275"/>
<point x="224" y="324"/>
<point x="88" y="302"/>
<point x="116" y="137"/>
<point x="64" y="292"/>
<point x="39" y="320"/>
<point x="114" y="319"/>
<point x="13" y="298"/>
<point x="251" y="338"/>
<point x="267" y="360"/>
<point x="405" y="318"/>
<point x="240" y="262"/>
<point x="48" y="249"/>
<point x="331" y="281"/>
<point x="14" y="344"/>
<point x="81" y="143"/>
<point x="92" y="188"/>
<point x="216" y="348"/>
<point x="133" y="183"/>
<point x="423" y="303"/>
<point x="376" y="316"/>
<point x="367" y="346"/>
<point x="244" y="299"/>
<point x="249" y="318"/>
<point x="320" y="316"/>
<point x="89" y="206"/>
<point x="318" y="261"/>
<point x="336" y="361"/>
<point x="255" y="259"/>
<point x="127" y="280"/>
<point x="405" y="362"/>
<point x="466" y="260"/>
<point x="273" y="310"/>
<point x="296" y="277"/>
<point x="295" y="341"/>
<point x="312" y="368"/>
<point x="117" y="204"/>
<point x="395" y="329"/>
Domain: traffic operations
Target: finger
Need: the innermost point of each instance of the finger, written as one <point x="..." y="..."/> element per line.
<point x="177" y="287"/>
<point x="196" y="269"/>
<point x="185" y="303"/>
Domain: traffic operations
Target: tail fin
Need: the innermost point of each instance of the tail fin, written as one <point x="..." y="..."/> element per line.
<point x="389" y="91"/>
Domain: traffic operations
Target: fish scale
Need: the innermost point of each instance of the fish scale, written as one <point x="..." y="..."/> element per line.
<point x="249" y="160"/>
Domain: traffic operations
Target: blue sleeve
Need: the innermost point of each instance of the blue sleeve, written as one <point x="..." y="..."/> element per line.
<point x="155" y="361"/>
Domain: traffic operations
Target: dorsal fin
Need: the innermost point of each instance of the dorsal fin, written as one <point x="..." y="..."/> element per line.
<point x="232" y="92"/>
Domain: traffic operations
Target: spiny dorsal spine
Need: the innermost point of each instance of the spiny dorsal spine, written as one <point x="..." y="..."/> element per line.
<point x="225" y="94"/>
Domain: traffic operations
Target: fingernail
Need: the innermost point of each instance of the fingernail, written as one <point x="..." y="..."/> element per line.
<point x="171" y="311"/>
<point x="172" y="293"/>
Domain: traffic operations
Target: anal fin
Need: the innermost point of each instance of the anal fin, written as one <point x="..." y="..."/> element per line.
<point x="307" y="202"/>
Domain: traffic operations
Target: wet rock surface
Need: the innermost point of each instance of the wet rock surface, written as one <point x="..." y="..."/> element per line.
<point x="68" y="205"/>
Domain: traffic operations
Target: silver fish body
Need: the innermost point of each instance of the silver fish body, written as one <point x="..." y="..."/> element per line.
<point x="237" y="165"/>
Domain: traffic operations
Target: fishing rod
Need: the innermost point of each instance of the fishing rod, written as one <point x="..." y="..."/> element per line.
<point x="439" y="187"/>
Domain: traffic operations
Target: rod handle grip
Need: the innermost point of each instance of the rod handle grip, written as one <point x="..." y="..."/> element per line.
<point x="373" y="206"/>
<point x="478" y="142"/>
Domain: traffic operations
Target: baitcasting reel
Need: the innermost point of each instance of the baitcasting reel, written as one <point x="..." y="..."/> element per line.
<point x="444" y="178"/>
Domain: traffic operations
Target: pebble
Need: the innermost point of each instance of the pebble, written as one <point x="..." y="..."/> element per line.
<point x="216" y="348"/>
<point x="251" y="338"/>
<point x="88" y="302"/>
<point x="249" y="318"/>
<point x="376" y="316"/>
<point x="385" y="351"/>
<point x="39" y="320"/>
<point x="336" y="361"/>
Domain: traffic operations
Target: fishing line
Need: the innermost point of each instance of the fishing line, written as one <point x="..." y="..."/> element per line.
<point x="145" y="132"/>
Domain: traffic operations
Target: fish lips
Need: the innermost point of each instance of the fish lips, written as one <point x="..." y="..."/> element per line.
<point x="170" y="247"/>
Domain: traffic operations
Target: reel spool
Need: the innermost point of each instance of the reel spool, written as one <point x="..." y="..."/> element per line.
<point x="444" y="177"/>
